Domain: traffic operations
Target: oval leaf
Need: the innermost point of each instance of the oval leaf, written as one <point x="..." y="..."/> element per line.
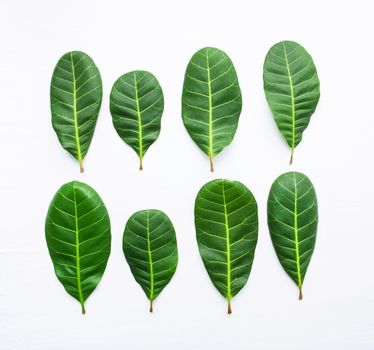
<point x="226" y="224"/>
<point x="76" y="93"/>
<point x="292" y="89"/>
<point x="150" y="248"/>
<point x="292" y="220"/>
<point x="136" y="105"/>
<point x="211" y="101"/>
<point x="77" y="231"/>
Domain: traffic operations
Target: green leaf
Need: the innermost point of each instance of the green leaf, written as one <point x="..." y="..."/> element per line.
<point x="136" y="105"/>
<point x="292" y="220"/>
<point x="211" y="101"/>
<point x="226" y="224"/>
<point x="77" y="230"/>
<point x="150" y="248"/>
<point x="76" y="93"/>
<point x="292" y="89"/>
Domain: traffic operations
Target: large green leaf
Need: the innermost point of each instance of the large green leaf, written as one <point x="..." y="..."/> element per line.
<point x="292" y="89"/>
<point x="211" y="101"/>
<point x="150" y="248"/>
<point x="76" y="93"/>
<point x="226" y="224"/>
<point x="136" y="105"/>
<point x="292" y="220"/>
<point x="77" y="231"/>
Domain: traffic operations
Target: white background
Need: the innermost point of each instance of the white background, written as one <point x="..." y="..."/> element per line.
<point x="160" y="36"/>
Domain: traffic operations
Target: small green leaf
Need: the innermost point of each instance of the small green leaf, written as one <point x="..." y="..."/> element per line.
<point x="136" y="105"/>
<point x="292" y="89"/>
<point x="211" y="101"/>
<point x="150" y="248"/>
<point x="77" y="230"/>
<point x="76" y="93"/>
<point x="226" y="224"/>
<point x="292" y="220"/>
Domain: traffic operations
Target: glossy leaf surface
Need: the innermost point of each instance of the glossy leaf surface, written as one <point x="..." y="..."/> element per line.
<point x="150" y="248"/>
<point x="292" y="89"/>
<point x="76" y="93"/>
<point x="226" y="224"/>
<point x="77" y="231"/>
<point x="136" y="105"/>
<point x="211" y="101"/>
<point x="292" y="220"/>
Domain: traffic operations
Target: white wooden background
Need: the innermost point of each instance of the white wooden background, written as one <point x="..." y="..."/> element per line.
<point x="160" y="36"/>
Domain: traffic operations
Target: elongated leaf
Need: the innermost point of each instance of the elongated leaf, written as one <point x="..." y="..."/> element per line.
<point x="226" y="224"/>
<point x="292" y="89"/>
<point x="76" y="93"/>
<point x="292" y="220"/>
<point x="150" y="248"/>
<point x="211" y="101"/>
<point x="77" y="230"/>
<point x="136" y="105"/>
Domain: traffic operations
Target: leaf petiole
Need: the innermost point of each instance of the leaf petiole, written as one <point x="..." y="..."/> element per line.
<point x="229" y="310"/>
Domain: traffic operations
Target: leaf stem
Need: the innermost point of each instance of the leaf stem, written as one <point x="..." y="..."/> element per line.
<point x="229" y="311"/>
<point x="211" y="163"/>
<point x="151" y="305"/>
<point x="300" y="293"/>
<point x="81" y="166"/>
<point x="291" y="159"/>
<point x="141" y="163"/>
<point x="83" y="309"/>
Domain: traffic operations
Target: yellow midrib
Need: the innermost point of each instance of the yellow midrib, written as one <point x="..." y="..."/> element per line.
<point x="140" y="128"/>
<point x="77" y="252"/>
<point x="292" y="98"/>
<point x="210" y="107"/>
<point x="150" y="260"/>
<point x="75" y="114"/>
<point x="228" y="252"/>
<point x="297" y="237"/>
